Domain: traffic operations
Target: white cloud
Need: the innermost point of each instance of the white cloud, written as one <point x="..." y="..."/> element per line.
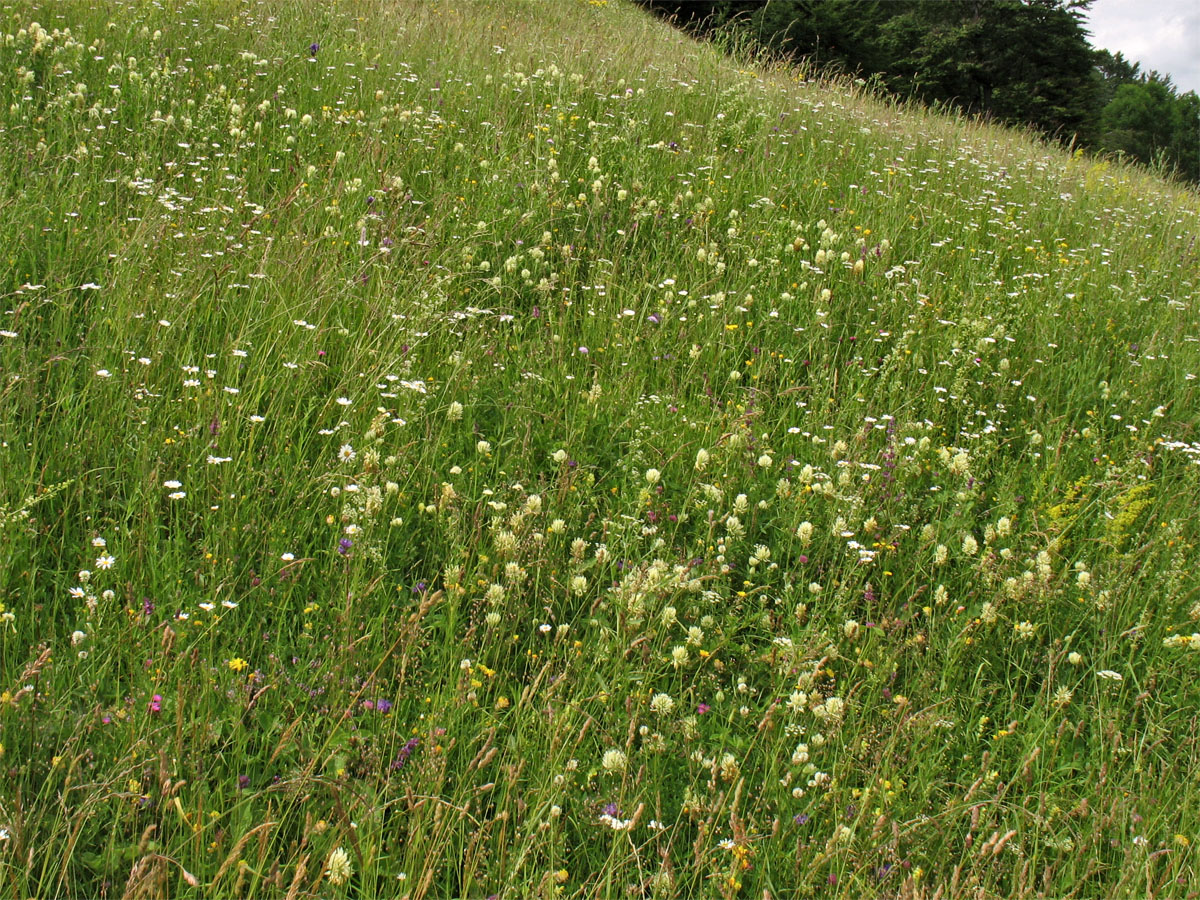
<point x="1160" y="34"/>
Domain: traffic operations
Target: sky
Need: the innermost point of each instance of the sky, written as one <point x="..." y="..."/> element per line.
<point x="1159" y="34"/>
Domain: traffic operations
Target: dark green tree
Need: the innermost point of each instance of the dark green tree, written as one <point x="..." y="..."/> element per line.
<point x="1020" y="62"/>
<point x="1185" y="145"/>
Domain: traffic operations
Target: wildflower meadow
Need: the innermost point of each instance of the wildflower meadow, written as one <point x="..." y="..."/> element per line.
<point x="508" y="449"/>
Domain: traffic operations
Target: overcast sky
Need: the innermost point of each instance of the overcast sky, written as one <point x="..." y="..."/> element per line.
<point x="1159" y="34"/>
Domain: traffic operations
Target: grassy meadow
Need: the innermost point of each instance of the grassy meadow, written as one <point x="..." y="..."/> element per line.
<point x="469" y="449"/>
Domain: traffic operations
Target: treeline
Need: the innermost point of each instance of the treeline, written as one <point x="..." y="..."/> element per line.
<point x="1020" y="62"/>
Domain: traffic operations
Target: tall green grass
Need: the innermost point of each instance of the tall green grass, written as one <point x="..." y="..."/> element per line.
<point x="507" y="449"/>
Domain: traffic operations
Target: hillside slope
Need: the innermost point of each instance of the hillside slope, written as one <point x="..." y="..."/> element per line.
<point x="500" y="448"/>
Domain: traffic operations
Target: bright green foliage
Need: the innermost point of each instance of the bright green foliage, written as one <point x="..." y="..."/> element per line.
<point x="1141" y="120"/>
<point x="456" y="449"/>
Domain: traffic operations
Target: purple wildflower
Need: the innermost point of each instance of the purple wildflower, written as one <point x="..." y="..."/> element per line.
<point x="405" y="752"/>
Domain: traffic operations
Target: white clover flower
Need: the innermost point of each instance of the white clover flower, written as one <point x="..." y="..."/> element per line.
<point x="339" y="868"/>
<point x="831" y="710"/>
<point x="959" y="463"/>
<point x="653" y="476"/>
<point x="614" y="761"/>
